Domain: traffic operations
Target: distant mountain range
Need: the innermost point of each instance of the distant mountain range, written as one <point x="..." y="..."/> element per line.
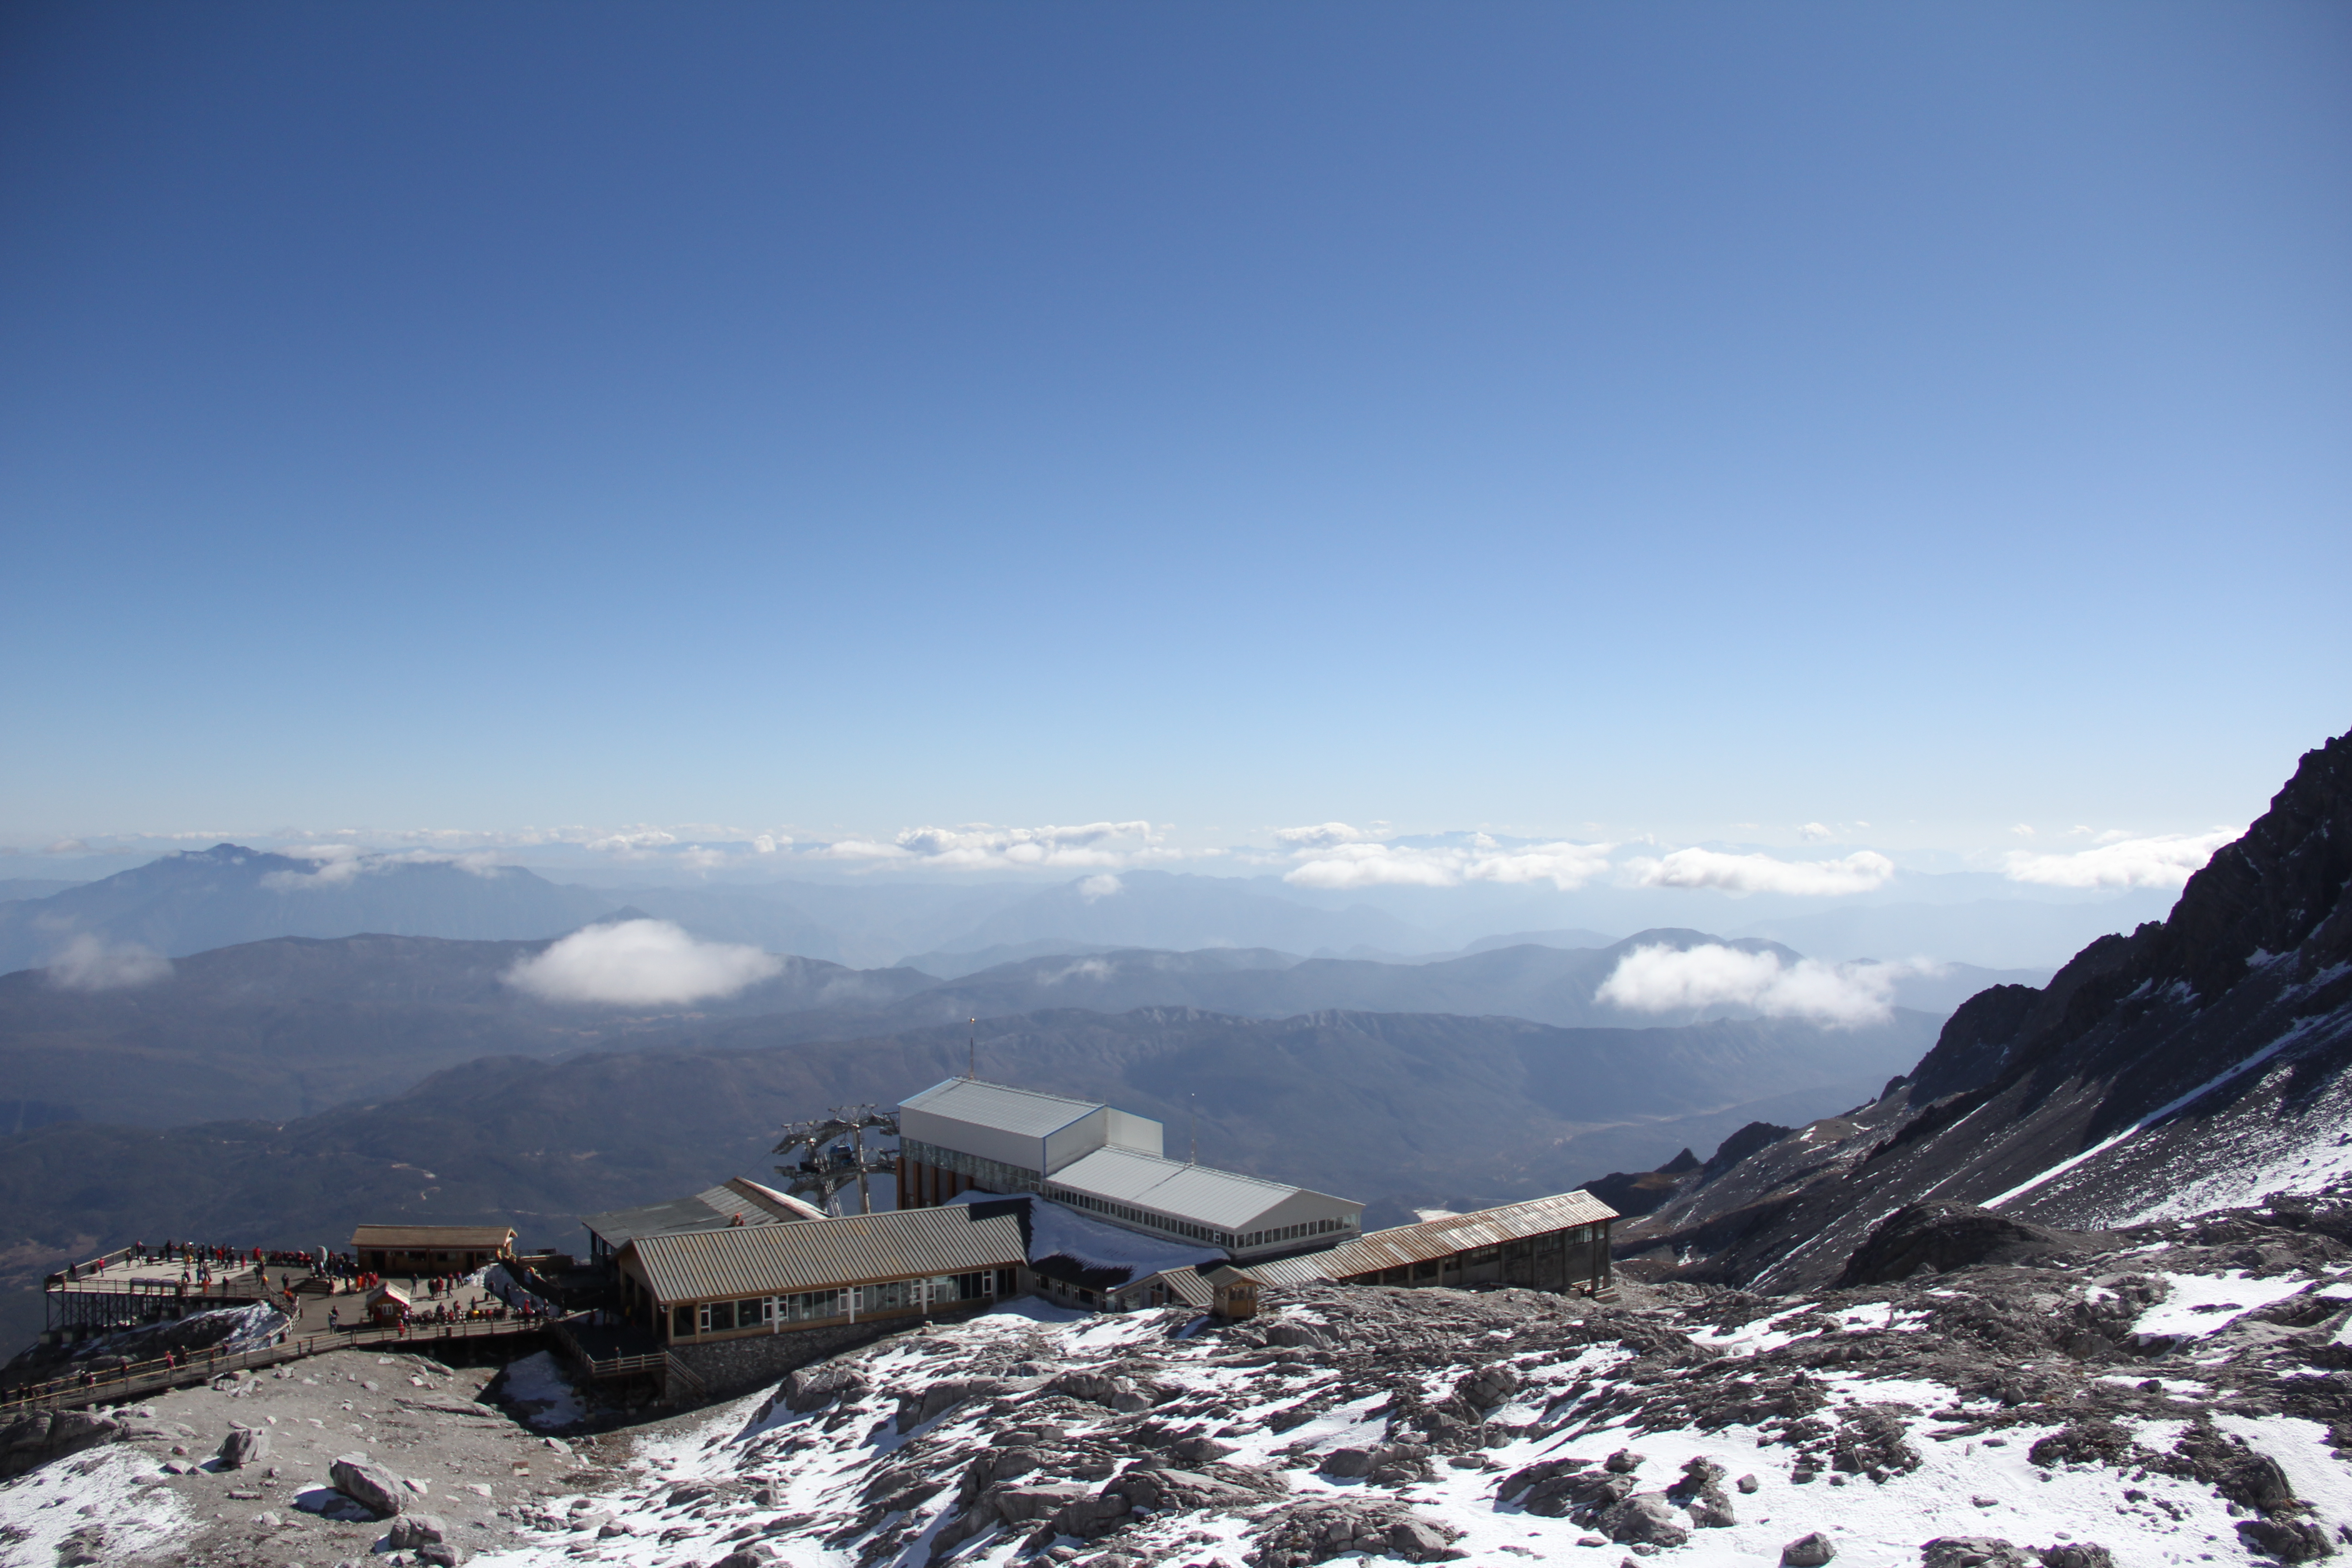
<point x="292" y="1026"/>
<point x="202" y="899"/>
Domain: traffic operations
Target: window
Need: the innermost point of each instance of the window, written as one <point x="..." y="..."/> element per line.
<point x="682" y="1322"/>
<point x="718" y="1317"/>
<point x="752" y="1314"/>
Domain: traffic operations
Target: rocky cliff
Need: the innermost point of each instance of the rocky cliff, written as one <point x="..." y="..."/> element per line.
<point x="2196" y="1063"/>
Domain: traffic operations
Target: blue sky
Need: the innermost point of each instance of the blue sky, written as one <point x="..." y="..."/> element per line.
<point x="1576" y="421"/>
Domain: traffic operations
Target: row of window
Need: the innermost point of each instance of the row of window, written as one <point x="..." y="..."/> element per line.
<point x="1232" y="1240"/>
<point x="816" y="1306"/>
<point x="1283" y="1232"/>
<point x="991" y="1175"/>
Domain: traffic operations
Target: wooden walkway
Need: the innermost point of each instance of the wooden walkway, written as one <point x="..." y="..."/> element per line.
<point x="122" y="1385"/>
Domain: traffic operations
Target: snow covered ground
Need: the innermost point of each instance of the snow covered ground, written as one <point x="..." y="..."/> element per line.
<point x="1883" y="1418"/>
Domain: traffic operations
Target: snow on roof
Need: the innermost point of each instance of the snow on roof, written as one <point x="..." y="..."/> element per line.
<point x="738" y="1202"/>
<point x="1094" y="1247"/>
<point x="1222" y="1200"/>
<point x="1021" y="1111"/>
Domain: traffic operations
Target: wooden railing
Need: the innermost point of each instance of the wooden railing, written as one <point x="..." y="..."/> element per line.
<point x="120" y="1384"/>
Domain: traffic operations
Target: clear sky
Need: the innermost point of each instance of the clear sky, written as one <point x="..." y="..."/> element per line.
<point x="1581" y="420"/>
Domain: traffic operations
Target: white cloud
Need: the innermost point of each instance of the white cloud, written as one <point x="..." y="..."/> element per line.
<point x="640" y="964"/>
<point x="1565" y="866"/>
<point x="91" y="964"/>
<point x="1100" y="887"/>
<point x="1844" y="995"/>
<point x="1324" y="836"/>
<point x="1860" y="872"/>
<point x="2167" y="860"/>
<point x="2024" y="830"/>
<point x="1814" y="831"/>
<point x="1106" y="845"/>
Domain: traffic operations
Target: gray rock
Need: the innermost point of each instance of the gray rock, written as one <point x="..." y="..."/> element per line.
<point x="2074" y="1554"/>
<point x="1623" y="1462"/>
<point x="1972" y="1552"/>
<point x="1710" y="1509"/>
<point x="1748" y="1484"/>
<point x="1808" y="1551"/>
<point x="441" y="1554"/>
<point x="1646" y="1518"/>
<point x="371" y="1486"/>
<point x="243" y="1446"/>
<point x="944" y="1396"/>
<point x="814" y="1387"/>
<point x="1124" y="1394"/>
<point x="411" y="1530"/>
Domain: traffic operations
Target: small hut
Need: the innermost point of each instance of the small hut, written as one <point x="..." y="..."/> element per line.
<point x="386" y="1304"/>
<point x="1233" y="1295"/>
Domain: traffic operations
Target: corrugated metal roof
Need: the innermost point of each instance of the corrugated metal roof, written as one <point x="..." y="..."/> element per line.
<point x="444" y="1237"/>
<point x="1437" y="1238"/>
<point x="1222" y="1200"/>
<point x="711" y="1210"/>
<point x="1185" y="1284"/>
<point x="1021" y="1112"/>
<point x="818" y="1254"/>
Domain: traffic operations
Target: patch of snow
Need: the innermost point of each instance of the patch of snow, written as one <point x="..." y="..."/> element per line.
<point x="2201" y="1304"/>
<point x="1056" y="1230"/>
<point x="538" y="1386"/>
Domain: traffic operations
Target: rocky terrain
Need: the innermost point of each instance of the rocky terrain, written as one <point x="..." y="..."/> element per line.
<point x="1980" y="1392"/>
<point x="2198" y="1063"/>
<point x="299" y="1463"/>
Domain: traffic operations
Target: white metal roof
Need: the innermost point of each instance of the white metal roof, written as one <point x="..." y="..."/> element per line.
<point x="1021" y="1112"/>
<point x="1223" y="1200"/>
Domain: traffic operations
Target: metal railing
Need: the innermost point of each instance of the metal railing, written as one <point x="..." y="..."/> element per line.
<point x="117" y="1385"/>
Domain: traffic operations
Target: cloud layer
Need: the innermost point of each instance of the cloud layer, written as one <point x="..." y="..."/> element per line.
<point x="91" y="964"/>
<point x="2168" y="860"/>
<point x="1337" y="856"/>
<point x="1666" y="980"/>
<point x="640" y="964"/>
<point x="1861" y="872"/>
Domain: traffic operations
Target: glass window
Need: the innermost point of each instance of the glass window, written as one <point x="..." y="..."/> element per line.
<point x="751" y="1314"/>
<point x="682" y="1321"/>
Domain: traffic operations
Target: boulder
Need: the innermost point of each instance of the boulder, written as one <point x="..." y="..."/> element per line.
<point x="944" y="1396"/>
<point x="1808" y="1551"/>
<point x="1489" y="1386"/>
<point x="2287" y="1540"/>
<point x="411" y="1530"/>
<point x="1199" y="1450"/>
<point x="814" y="1387"/>
<point x="34" y="1440"/>
<point x="440" y="1554"/>
<point x="1318" y="1531"/>
<point x="1645" y="1519"/>
<point x="243" y="1447"/>
<point x="371" y="1486"/>
<point x="1972" y="1552"/>
<point x="1124" y="1394"/>
<point x="1158" y="1490"/>
<point x="2074" y="1554"/>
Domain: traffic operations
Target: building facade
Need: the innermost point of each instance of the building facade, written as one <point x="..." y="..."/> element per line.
<point x="430" y="1248"/>
<point x="964" y="1135"/>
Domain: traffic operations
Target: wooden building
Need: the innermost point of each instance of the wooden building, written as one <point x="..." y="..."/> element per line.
<point x="430" y="1248"/>
<point x="700" y="1286"/>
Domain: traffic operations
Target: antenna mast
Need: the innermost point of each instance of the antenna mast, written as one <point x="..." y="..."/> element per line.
<point x="971" y="1054"/>
<point x="1196" y="1130"/>
<point x="833" y="1153"/>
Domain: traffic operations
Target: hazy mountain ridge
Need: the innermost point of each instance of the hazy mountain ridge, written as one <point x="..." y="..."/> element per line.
<point x="2198" y="1063"/>
<point x="202" y="899"/>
